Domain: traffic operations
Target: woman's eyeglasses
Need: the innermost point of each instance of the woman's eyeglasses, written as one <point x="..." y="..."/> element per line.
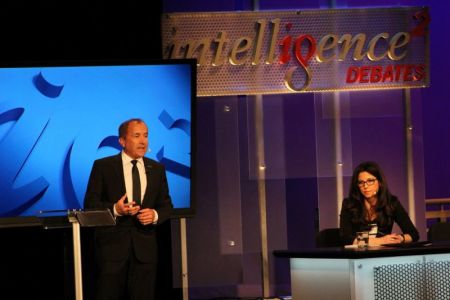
<point x="369" y="182"/>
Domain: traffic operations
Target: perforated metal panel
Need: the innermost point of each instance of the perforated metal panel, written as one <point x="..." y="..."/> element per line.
<point x="437" y="280"/>
<point x="257" y="69"/>
<point x="428" y="281"/>
<point x="402" y="281"/>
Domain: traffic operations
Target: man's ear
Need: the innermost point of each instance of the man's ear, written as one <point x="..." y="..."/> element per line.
<point x="122" y="142"/>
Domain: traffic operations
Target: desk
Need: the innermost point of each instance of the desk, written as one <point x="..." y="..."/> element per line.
<point x="374" y="273"/>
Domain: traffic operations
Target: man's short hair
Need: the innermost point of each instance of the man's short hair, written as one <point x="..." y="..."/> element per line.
<point x="123" y="128"/>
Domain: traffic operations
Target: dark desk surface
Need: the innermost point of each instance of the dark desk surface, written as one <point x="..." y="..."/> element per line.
<point x="420" y="248"/>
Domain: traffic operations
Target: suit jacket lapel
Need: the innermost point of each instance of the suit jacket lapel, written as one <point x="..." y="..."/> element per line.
<point x="118" y="169"/>
<point x="148" y="173"/>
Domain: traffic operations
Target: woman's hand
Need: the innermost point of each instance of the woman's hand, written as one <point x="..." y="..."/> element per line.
<point x="387" y="239"/>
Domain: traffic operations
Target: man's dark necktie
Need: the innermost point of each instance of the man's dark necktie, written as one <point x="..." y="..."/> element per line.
<point x="136" y="183"/>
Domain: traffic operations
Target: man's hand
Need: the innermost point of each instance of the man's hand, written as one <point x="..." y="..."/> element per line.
<point x="146" y="216"/>
<point x="123" y="208"/>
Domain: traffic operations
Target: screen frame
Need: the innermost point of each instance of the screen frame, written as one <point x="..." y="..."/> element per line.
<point x="27" y="221"/>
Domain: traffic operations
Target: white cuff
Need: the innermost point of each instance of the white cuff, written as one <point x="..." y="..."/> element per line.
<point x="156" y="217"/>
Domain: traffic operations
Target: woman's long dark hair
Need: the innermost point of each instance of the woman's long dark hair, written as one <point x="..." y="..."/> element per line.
<point x="383" y="206"/>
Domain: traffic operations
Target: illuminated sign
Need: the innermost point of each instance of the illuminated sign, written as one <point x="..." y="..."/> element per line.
<point x="273" y="52"/>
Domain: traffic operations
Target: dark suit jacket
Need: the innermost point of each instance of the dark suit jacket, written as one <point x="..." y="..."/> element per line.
<point x="106" y="186"/>
<point x="349" y="224"/>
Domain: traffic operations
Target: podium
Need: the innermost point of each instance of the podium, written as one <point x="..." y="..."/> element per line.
<point x="76" y="218"/>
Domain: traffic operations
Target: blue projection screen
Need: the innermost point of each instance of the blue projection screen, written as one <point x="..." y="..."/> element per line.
<point x="56" y="120"/>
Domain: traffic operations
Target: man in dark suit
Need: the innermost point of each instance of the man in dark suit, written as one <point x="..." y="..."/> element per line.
<point x="126" y="254"/>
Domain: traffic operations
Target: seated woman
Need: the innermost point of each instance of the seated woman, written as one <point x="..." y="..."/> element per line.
<point x="369" y="201"/>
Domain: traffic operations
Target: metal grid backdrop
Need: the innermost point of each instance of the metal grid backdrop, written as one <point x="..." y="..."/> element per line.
<point x="260" y="77"/>
<point x="428" y="281"/>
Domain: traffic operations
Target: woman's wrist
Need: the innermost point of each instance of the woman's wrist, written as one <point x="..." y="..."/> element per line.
<point x="403" y="238"/>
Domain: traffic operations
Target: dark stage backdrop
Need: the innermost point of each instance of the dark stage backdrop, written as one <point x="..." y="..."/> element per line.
<point x="97" y="29"/>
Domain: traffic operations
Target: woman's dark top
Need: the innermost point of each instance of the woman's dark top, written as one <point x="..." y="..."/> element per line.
<point x="351" y="220"/>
